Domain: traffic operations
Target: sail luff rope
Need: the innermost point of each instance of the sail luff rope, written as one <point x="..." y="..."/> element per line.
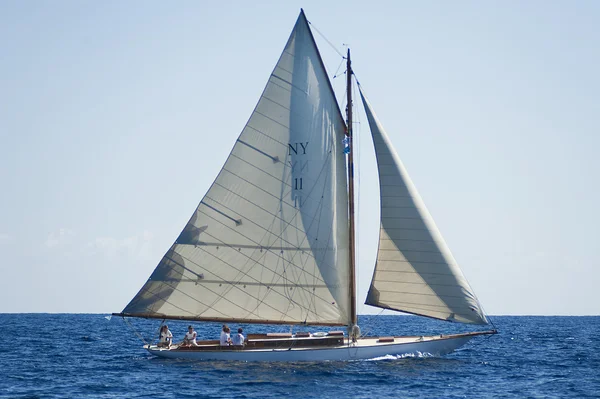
<point x="327" y="40"/>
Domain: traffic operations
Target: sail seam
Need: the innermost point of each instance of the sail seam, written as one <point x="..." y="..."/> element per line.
<point x="266" y="192"/>
<point x="234" y="286"/>
<point x="425" y="294"/>
<point x="289" y="224"/>
<point x="320" y="203"/>
<point x="161" y="298"/>
<point x="416" y="261"/>
<point x="256" y="262"/>
<point x="274" y="177"/>
<point x="297" y="211"/>
<point x="246" y="246"/>
<point x="422" y="306"/>
<point x="404" y="240"/>
<point x="417" y="283"/>
<point x="222" y="296"/>
<point x="413" y="272"/>
<point x="232" y="247"/>
<point x="266" y="135"/>
<point x="399" y="229"/>
<point x="285" y="88"/>
<point x="197" y="282"/>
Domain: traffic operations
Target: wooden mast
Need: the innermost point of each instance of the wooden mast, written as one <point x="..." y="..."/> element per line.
<point x="353" y="317"/>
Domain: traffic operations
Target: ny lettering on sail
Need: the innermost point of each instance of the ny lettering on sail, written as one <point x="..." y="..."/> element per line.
<point x="299" y="165"/>
<point x="294" y="148"/>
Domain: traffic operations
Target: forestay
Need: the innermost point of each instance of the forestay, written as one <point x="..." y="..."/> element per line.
<point x="269" y="241"/>
<point x="415" y="271"/>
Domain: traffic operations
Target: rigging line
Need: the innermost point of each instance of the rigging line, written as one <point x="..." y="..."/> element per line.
<point x="251" y="183"/>
<point x="135" y="331"/>
<point x="320" y="206"/>
<point x="259" y="301"/>
<point x="335" y="75"/>
<point x="368" y="331"/>
<point x="219" y="296"/>
<point x="297" y="212"/>
<point x="233" y="267"/>
<point x="174" y="288"/>
<point x="311" y="296"/>
<point x="329" y="237"/>
<point x="479" y="342"/>
<point x="267" y="248"/>
<point x="324" y="38"/>
<point x="311" y="301"/>
<point x="491" y="321"/>
<point x="300" y="306"/>
<point x="256" y="262"/>
<point x="231" y="285"/>
<point x="241" y="273"/>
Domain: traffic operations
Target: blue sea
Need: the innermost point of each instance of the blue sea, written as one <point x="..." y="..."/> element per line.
<point x="88" y="356"/>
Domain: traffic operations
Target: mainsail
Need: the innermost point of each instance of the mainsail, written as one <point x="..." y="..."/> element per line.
<point x="269" y="241"/>
<point x="415" y="271"/>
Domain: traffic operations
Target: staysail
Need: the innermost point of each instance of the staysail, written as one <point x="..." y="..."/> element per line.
<point x="415" y="271"/>
<point x="269" y="241"/>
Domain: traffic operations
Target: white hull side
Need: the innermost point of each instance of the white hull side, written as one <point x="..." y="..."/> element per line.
<point x="364" y="349"/>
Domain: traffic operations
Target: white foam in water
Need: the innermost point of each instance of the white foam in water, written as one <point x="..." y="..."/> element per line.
<point x="396" y="357"/>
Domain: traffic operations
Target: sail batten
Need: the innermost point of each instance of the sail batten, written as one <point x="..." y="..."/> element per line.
<point x="415" y="271"/>
<point x="268" y="242"/>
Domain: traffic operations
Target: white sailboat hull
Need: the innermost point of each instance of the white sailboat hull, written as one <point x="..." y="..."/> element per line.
<point x="364" y="348"/>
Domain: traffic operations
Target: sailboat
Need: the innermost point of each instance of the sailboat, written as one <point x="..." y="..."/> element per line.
<point x="273" y="239"/>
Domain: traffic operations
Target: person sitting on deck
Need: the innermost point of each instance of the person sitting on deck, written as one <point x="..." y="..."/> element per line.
<point x="225" y="339"/>
<point x="238" y="339"/>
<point x="190" y="337"/>
<point x="166" y="337"/>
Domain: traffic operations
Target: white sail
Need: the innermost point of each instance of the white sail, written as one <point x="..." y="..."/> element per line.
<point x="269" y="241"/>
<point x="415" y="271"/>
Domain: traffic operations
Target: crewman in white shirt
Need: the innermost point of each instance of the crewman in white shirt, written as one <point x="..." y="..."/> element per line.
<point x="238" y="339"/>
<point x="190" y="337"/>
<point x="225" y="338"/>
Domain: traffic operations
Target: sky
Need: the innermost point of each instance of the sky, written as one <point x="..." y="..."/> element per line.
<point x="115" y="118"/>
